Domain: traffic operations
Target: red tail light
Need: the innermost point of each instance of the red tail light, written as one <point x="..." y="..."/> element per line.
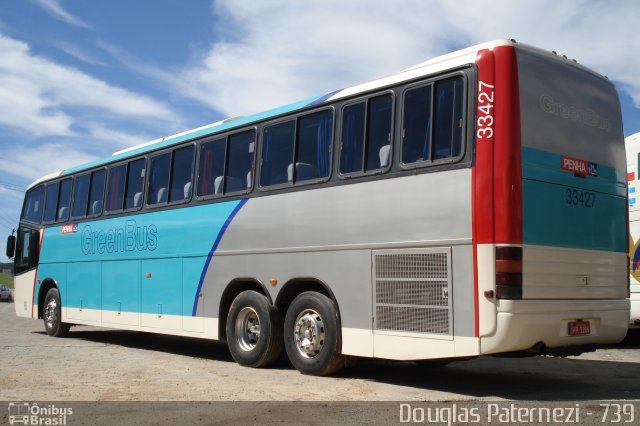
<point x="509" y="273"/>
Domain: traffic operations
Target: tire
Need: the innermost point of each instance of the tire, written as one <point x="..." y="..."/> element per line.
<point x="51" y="314"/>
<point x="254" y="330"/>
<point x="312" y="336"/>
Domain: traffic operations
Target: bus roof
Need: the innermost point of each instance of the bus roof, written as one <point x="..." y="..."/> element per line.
<point x="438" y="64"/>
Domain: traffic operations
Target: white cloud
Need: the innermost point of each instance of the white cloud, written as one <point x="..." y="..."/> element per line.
<point x="31" y="163"/>
<point x="117" y="139"/>
<point x="274" y="52"/>
<point x="54" y="8"/>
<point x="35" y="94"/>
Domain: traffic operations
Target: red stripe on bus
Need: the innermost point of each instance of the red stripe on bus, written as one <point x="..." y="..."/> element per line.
<point x="483" y="194"/>
<point x="482" y="173"/>
<point x="631" y="176"/>
<point x="507" y="174"/>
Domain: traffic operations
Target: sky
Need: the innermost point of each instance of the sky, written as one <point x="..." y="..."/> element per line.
<point x="81" y="79"/>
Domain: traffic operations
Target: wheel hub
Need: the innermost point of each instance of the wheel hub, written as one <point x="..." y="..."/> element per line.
<point x="247" y="328"/>
<point x="51" y="313"/>
<point x="309" y="333"/>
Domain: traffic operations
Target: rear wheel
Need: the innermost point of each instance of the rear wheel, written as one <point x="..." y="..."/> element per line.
<point x="254" y="330"/>
<point x="312" y="335"/>
<point x="52" y="315"/>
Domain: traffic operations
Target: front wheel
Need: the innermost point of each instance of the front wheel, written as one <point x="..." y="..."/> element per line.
<point x="254" y="330"/>
<point x="312" y="335"/>
<point x="52" y="315"/>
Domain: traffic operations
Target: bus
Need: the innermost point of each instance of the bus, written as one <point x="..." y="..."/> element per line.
<point x="474" y="204"/>
<point x="633" y="169"/>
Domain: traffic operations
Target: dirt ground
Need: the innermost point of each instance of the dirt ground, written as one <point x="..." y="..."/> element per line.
<point x="106" y="365"/>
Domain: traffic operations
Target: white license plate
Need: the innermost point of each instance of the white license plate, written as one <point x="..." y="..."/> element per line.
<point x="579" y="328"/>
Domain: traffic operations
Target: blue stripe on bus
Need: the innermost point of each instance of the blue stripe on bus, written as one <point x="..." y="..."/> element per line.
<point x="208" y="130"/>
<point x="632" y="190"/>
<point x="212" y="251"/>
<point x="323" y="98"/>
<point x="563" y="210"/>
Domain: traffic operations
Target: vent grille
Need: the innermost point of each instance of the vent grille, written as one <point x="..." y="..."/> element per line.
<point x="412" y="290"/>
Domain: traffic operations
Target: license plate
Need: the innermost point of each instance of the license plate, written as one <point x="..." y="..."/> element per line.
<point x="579" y="328"/>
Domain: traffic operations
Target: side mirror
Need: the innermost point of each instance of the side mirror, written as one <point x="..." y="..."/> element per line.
<point x="11" y="246"/>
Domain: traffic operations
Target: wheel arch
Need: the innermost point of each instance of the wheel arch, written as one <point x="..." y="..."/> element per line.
<point x="296" y="286"/>
<point x="47" y="284"/>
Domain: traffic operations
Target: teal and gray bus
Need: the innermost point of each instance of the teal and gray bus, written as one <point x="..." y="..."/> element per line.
<point x="470" y="205"/>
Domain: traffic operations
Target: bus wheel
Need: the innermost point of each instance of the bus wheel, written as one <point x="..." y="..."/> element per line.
<point x="254" y="330"/>
<point x="52" y="315"/>
<point x="312" y="336"/>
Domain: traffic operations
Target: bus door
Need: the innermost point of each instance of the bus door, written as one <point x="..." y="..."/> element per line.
<point x="27" y="253"/>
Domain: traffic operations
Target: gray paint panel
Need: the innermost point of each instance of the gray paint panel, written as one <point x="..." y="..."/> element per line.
<point x="422" y="208"/>
<point x="327" y="234"/>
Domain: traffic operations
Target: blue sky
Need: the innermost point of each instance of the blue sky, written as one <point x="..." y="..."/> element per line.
<point x="81" y="79"/>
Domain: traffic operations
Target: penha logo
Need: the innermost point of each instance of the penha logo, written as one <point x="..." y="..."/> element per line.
<point x="70" y="228"/>
<point x="130" y="237"/>
<point x="579" y="167"/>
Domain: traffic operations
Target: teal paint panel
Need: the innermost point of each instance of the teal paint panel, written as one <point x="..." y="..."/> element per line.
<point x="547" y="167"/>
<point x="57" y="272"/>
<point x="185" y="232"/>
<point x="550" y="218"/>
<point x="83" y="284"/>
<point x="162" y="287"/>
<point x="191" y="271"/>
<point x="121" y="286"/>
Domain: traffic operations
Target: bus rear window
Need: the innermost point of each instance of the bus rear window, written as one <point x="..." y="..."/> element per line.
<point x="34" y="205"/>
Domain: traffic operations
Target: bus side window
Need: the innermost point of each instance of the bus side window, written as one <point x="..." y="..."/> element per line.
<point x="80" y="196"/>
<point x="211" y="167"/>
<point x="416" y="125"/>
<point x="51" y="202"/>
<point x="313" y="147"/>
<point x="97" y="193"/>
<point x="239" y="171"/>
<point x="64" y="200"/>
<point x="277" y="153"/>
<point x="447" y="122"/>
<point x="34" y="205"/>
<point x="352" y="138"/>
<point x="366" y="135"/>
<point x="378" y="130"/>
<point x="115" y="187"/>
<point x="182" y="173"/>
<point x="159" y="179"/>
<point x="135" y="184"/>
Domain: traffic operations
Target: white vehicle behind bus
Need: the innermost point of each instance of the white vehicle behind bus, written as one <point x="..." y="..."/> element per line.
<point x="633" y="168"/>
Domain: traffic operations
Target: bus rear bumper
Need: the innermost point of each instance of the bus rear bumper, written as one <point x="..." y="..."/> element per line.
<point x="526" y="324"/>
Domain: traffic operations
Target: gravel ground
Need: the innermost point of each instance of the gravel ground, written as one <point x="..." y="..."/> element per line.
<point x="95" y="364"/>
